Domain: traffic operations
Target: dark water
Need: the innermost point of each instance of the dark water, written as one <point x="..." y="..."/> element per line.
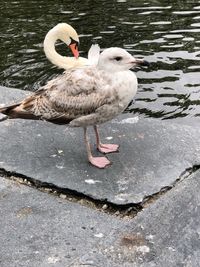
<point x="166" y="33"/>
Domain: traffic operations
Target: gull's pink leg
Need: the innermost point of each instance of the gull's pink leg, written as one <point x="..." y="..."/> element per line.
<point x="105" y="148"/>
<point x="99" y="162"/>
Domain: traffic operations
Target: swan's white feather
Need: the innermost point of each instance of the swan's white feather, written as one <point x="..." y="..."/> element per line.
<point x="93" y="54"/>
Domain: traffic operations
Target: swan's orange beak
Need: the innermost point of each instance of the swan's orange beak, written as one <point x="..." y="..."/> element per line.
<point x="74" y="49"/>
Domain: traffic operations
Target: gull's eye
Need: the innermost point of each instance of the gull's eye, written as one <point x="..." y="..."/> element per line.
<point x="118" y="58"/>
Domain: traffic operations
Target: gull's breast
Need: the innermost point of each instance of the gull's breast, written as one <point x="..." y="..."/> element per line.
<point x="126" y="85"/>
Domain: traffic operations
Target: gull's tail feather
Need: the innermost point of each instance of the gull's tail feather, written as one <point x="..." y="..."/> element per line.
<point x="9" y="110"/>
<point x="16" y="111"/>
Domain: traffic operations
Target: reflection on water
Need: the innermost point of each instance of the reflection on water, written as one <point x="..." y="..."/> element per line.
<point x="165" y="32"/>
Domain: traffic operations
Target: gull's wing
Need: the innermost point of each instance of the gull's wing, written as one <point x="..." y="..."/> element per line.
<point x="76" y="93"/>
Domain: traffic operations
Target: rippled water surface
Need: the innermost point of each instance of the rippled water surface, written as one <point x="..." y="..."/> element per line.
<point x="166" y="33"/>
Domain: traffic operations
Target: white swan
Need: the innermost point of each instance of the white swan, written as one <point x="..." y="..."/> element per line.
<point x="83" y="97"/>
<point x="69" y="36"/>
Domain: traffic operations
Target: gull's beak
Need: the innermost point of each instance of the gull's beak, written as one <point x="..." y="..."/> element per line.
<point x="141" y="62"/>
<point x="74" y="48"/>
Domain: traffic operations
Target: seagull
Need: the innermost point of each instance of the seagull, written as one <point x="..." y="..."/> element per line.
<point x="84" y="95"/>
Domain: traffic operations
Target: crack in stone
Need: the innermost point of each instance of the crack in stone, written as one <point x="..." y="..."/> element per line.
<point x="75" y="196"/>
<point x="122" y="210"/>
<point x="147" y="200"/>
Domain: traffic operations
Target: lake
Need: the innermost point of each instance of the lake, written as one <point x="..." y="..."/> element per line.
<point x="166" y="33"/>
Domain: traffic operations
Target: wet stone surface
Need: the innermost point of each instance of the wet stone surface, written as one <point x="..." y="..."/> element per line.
<point x="38" y="229"/>
<point x="165" y="234"/>
<point x="153" y="154"/>
<point x="44" y="230"/>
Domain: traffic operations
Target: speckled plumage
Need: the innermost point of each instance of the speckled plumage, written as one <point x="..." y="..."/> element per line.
<point x="81" y="97"/>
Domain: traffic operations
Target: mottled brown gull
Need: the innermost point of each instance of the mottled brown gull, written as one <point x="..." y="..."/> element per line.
<point x="85" y="96"/>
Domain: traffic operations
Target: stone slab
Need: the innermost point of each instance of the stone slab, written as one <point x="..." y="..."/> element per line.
<point x="153" y="154"/>
<point x="42" y="230"/>
<point x="167" y="233"/>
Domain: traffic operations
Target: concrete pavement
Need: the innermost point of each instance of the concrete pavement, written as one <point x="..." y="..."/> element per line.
<point x="155" y="170"/>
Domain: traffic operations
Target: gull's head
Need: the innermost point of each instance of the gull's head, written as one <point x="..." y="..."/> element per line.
<point x="116" y="59"/>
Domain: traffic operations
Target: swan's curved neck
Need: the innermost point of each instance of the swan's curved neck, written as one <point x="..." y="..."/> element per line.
<point x="55" y="58"/>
